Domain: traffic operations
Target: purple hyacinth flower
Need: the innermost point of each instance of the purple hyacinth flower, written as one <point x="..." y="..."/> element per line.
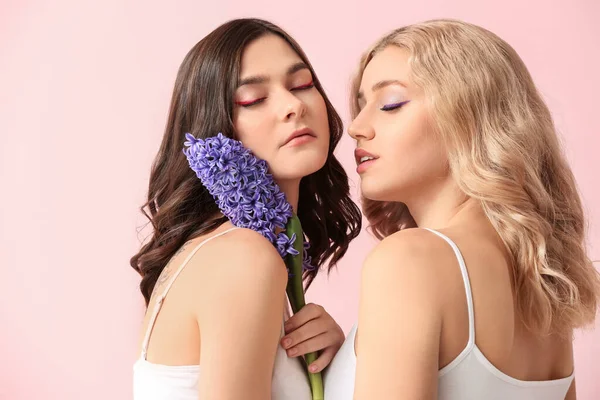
<point x="243" y="189"/>
<point x="285" y="245"/>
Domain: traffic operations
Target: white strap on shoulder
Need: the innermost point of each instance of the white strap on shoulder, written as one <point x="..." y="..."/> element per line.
<point x="467" y="282"/>
<point x="162" y="296"/>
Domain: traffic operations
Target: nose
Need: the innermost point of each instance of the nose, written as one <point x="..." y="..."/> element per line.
<point x="292" y="107"/>
<point x="360" y="129"/>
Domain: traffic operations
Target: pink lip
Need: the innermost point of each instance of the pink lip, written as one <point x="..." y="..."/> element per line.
<point x="362" y="166"/>
<point x="299" y="137"/>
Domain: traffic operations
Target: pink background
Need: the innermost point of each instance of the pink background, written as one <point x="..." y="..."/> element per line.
<point x="84" y="91"/>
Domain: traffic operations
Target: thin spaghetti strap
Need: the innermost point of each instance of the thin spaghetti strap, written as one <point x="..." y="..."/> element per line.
<point x="465" y="275"/>
<point x="189" y="257"/>
<point x="162" y="296"/>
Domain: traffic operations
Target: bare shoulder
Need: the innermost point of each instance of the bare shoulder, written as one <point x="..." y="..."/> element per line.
<point x="238" y="306"/>
<point x="239" y="267"/>
<point x="405" y="275"/>
<point x="416" y="253"/>
<point x="402" y="295"/>
<point x="241" y="254"/>
<point x="243" y="240"/>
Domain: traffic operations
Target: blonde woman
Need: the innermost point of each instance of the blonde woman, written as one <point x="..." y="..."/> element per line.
<point x="482" y="274"/>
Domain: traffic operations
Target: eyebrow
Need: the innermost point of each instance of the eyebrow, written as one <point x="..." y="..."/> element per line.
<point x="258" y="79"/>
<point x="380" y="85"/>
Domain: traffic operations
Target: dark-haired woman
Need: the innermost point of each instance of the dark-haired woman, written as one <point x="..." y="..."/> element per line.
<point x="216" y="293"/>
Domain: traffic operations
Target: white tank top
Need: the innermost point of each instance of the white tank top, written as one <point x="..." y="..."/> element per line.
<point x="470" y="376"/>
<point x="166" y="382"/>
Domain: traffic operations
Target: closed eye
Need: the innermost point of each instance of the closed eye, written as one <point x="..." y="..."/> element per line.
<point x="394" y="106"/>
<point x="250" y="103"/>
<point x="309" y="85"/>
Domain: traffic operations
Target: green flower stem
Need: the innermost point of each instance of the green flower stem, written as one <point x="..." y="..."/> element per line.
<point x="295" y="291"/>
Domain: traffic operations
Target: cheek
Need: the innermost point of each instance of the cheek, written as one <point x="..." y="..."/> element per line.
<point x="414" y="157"/>
<point x="415" y="143"/>
<point x="254" y="132"/>
<point x="322" y="125"/>
<point x="409" y="148"/>
<point x="317" y="108"/>
<point x="320" y="105"/>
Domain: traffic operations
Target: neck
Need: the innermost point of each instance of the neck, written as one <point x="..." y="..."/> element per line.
<point x="442" y="206"/>
<point x="291" y="189"/>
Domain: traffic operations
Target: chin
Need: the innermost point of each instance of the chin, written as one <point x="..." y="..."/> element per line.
<point x="299" y="167"/>
<point x="375" y="191"/>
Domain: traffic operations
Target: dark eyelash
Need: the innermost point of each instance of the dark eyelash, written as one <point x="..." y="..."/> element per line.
<point x="391" y="107"/>
<point x="305" y="87"/>
<point x="250" y="104"/>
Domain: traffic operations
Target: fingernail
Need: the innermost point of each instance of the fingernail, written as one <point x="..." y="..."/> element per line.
<point x="287" y="342"/>
<point x="313" y="368"/>
<point x="292" y="352"/>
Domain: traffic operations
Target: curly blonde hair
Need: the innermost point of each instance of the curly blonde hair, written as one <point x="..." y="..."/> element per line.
<point x="503" y="151"/>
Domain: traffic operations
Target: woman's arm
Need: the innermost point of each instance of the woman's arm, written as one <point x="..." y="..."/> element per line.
<point x="240" y="317"/>
<point x="399" y="321"/>
<point x="571" y="395"/>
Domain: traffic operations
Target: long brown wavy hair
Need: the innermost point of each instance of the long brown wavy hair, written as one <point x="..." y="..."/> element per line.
<point x="180" y="208"/>
<point x="504" y="152"/>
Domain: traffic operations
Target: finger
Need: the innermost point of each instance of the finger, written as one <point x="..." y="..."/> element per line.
<point x="309" y="330"/>
<point x="311" y="345"/>
<point x="308" y="312"/>
<point x="323" y="361"/>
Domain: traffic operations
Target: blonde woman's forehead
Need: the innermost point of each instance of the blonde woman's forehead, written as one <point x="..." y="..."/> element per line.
<point x="389" y="66"/>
